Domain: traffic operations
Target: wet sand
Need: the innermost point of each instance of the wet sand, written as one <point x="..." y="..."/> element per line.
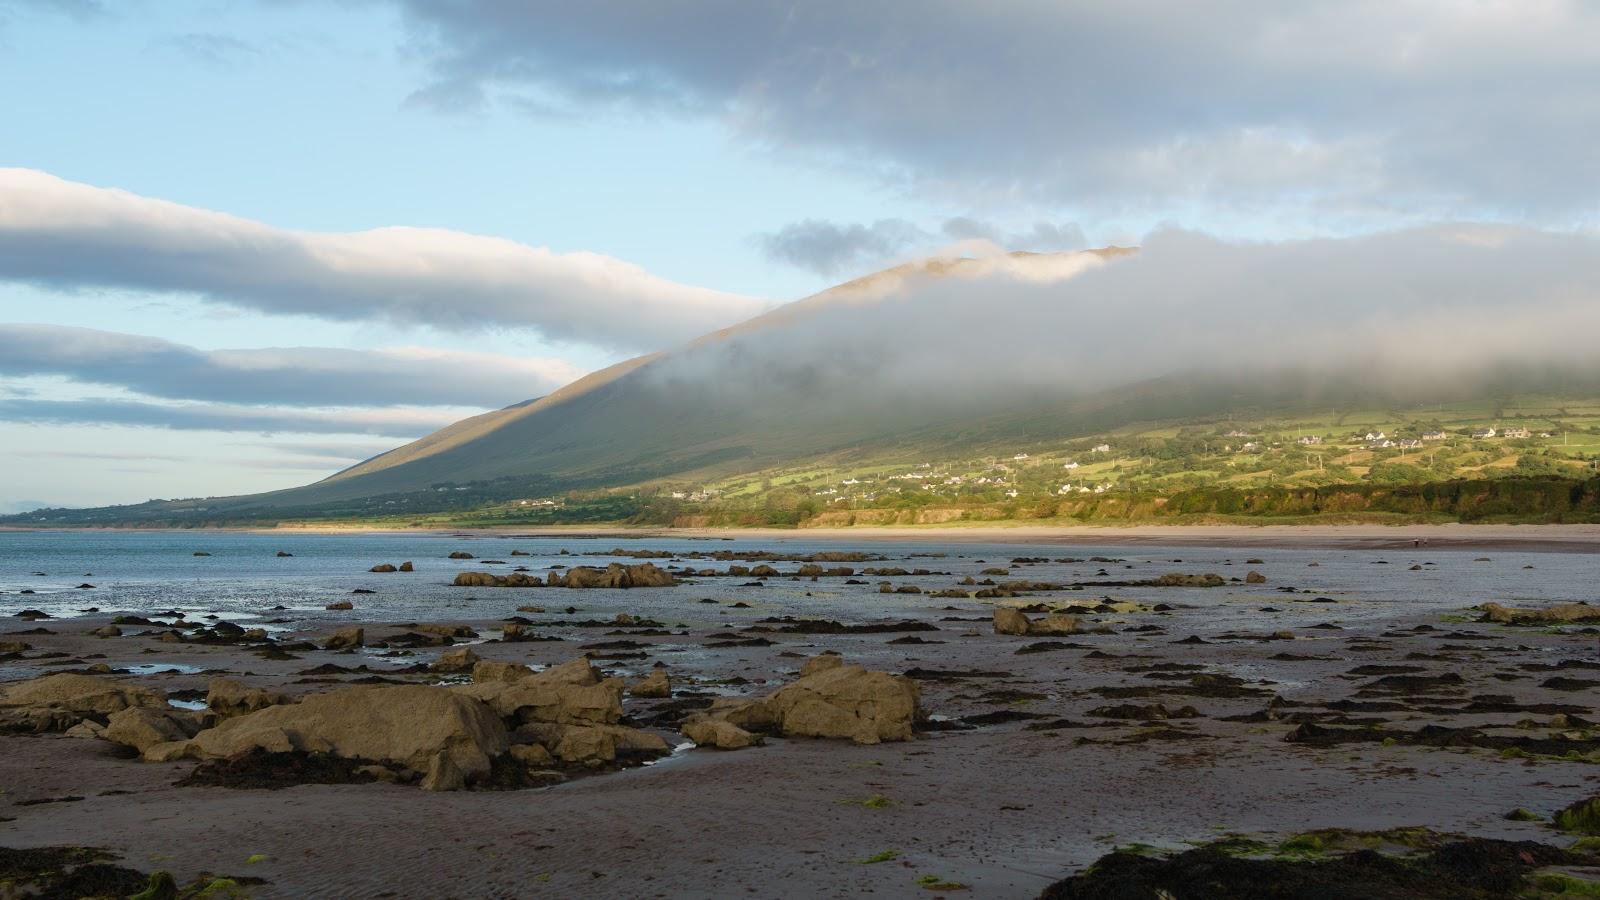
<point x="1045" y="776"/>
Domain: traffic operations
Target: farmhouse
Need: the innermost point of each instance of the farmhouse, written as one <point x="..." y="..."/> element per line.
<point x="1482" y="433"/>
<point x="1513" y="431"/>
<point x="1433" y="435"/>
<point x="1310" y="440"/>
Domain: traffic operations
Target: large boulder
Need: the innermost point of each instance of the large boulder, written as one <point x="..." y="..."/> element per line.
<point x="847" y="702"/>
<point x="572" y="693"/>
<point x="141" y="727"/>
<point x="227" y="698"/>
<point x="1009" y="621"/>
<point x="429" y="729"/>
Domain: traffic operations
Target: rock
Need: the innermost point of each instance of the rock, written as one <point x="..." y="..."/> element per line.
<point x="228" y="698"/>
<point x="14" y="646"/>
<point x="491" y="670"/>
<point x="461" y="554"/>
<point x="346" y="639"/>
<point x="572" y="693"/>
<point x="1009" y="621"/>
<point x="514" y="632"/>
<point x="1254" y="577"/>
<point x="283" y="555"/>
<point x="201" y="553"/>
<point x="342" y="604"/>
<point x="142" y="727"/>
<point x="1013" y="621"/>
<point x="88" y="728"/>
<point x="625" y="619"/>
<point x="383" y="567"/>
<point x="443" y="775"/>
<point x="449" y="631"/>
<point x="822" y="662"/>
<point x="77" y="697"/>
<point x="107" y="631"/>
<point x="707" y="731"/>
<point x="616" y="575"/>
<point x="591" y="745"/>
<point x="485" y="579"/>
<point x="1561" y="613"/>
<point x="172" y="751"/>
<point x="534" y="756"/>
<point x="407" y="566"/>
<point x="1180" y="579"/>
<point x="654" y="685"/>
<point x="1054" y="623"/>
<point x="412" y="725"/>
<point x="837" y="701"/>
<point x="462" y="660"/>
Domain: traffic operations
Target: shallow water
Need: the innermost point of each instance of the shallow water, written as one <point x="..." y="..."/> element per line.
<point x="244" y="580"/>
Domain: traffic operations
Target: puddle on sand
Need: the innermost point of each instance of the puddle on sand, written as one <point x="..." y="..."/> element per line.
<point x="161" y="669"/>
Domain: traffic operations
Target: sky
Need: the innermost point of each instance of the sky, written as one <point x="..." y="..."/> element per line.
<point x="246" y="244"/>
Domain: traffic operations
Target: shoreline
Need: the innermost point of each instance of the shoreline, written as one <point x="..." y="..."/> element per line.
<point x="1571" y="538"/>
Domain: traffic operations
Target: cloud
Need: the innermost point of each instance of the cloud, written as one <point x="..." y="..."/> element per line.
<point x="831" y="249"/>
<point x="396" y="423"/>
<point x="297" y="376"/>
<point x="1433" y="309"/>
<point x="1370" y="111"/>
<point x="61" y="234"/>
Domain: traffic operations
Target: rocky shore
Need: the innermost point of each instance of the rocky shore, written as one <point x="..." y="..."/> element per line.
<point x="633" y="739"/>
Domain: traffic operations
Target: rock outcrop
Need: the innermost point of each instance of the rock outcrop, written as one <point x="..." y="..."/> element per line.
<point x="1180" y="579"/>
<point x="615" y="575"/>
<point x="58" y="702"/>
<point x="1013" y="621"/>
<point x="1560" y="614"/>
<point x="428" y="729"/>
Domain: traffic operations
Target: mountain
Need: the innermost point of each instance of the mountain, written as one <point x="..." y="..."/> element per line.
<point x="967" y="357"/>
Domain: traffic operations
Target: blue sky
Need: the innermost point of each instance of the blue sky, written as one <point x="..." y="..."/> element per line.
<point x="714" y="159"/>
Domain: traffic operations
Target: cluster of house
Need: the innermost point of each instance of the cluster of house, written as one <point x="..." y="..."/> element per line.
<point x="702" y="496"/>
<point x="1083" y="489"/>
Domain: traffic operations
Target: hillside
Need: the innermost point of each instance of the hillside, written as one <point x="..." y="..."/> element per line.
<point x="996" y="375"/>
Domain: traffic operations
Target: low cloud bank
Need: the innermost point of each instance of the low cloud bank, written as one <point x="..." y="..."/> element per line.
<point x="1416" y="310"/>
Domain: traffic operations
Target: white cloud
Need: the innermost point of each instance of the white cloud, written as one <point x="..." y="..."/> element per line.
<point x="300" y="376"/>
<point x="398" y="422"/>
<point x="62" y="234"/>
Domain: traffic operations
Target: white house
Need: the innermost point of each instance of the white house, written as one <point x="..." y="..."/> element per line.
<point x="1514" y="431"/>
<point x="1433" y="435"/>
<point x="1310" y="440"/>
<point x="1100" y="448"/>
<point x="1481" y="433"/>
<point x="1069" y="466"/>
